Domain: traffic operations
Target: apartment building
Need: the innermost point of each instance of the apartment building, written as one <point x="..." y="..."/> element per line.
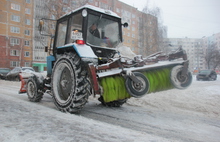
<point x="40" y="41"/>
<point x="196" y="49"/>
<point x="52" y="9"/>
<point x="23" y="45"/>
<point x="16" y="33"/>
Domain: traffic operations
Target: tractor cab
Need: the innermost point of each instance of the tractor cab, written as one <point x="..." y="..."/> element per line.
<point x="100" y="29"/>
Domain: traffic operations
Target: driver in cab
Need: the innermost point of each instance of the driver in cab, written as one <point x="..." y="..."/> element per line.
<point x="94" y="31"/>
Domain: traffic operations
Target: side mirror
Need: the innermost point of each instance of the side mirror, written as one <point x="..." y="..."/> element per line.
<point x="125" y="24"/>
<point x="41" y="23"/>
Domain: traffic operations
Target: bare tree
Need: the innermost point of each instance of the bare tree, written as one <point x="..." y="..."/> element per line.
<point x="212" y="56"/>
<point x="160" y="30"/>
<point x="58" y="8"/>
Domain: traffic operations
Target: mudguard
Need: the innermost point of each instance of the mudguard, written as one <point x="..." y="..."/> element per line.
<point x="83" y="50"/>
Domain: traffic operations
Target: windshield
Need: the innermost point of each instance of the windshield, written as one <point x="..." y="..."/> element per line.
<point x="27" y="69"/>
<point x="4" y="70"/>
<point x="205" y="71"/>
<point x="102" y="32"/>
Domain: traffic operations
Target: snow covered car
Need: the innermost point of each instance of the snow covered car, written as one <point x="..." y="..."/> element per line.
<point x="206" y="75"/>
<point x="13" y="75"/>
<point x="4" y="72"/>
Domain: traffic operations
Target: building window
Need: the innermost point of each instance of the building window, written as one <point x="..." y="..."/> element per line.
<point x="27" y="10"/>
<point x="65" y="1"/>
<point x="133" y="16"/>
<point x="133" y="28"/>
<point x="27" y="64"/>
<point x="27" y="32"/>
<point x="26" y="54"/>
<point x="27" y="43"/>
<point x="14" y="63"/>
<point x="15" y="30"/>
<point x="96" y="4"/>
<point x="27" y="22"/>
<point x="53" y="17"/>
<point x="52" y="26"/>
<point x="14" y="41"/>
<point x="133" y="35"/>
<point x="117" y="10"/>
<point x="15" y="18"/>
<point x="14" y="53"/>
<point x="64" y="9"/>
<point x="28" y="1"/>
<point x="73" y="3"/>
<point x="15" y="7"/>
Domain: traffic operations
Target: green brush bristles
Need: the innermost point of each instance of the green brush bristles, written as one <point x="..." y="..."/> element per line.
<point x="114" y="86"/>
<point x="159" y="80"/>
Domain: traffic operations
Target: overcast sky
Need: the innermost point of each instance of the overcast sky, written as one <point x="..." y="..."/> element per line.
<point x="185" y="18"/>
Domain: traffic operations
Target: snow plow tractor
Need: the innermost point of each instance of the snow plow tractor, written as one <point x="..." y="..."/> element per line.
<point x="84" y="61"/>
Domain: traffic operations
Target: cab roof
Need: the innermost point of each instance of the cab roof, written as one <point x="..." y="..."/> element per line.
<point x="87" y="6"/>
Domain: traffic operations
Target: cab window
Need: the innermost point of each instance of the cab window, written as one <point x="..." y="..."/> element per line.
<point x="75" y="28"/>
<point x="61" y="35"/>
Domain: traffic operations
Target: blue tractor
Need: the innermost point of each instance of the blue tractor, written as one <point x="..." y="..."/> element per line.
<point x="84" y="61"/>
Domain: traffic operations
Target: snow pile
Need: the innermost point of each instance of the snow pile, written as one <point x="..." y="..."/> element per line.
<point x="197" y="99"/>
<point x="192" y="114"/>
<point x="22" y="120"/>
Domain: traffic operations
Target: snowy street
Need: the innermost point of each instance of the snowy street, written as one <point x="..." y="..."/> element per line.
<point x="186" y="115"/>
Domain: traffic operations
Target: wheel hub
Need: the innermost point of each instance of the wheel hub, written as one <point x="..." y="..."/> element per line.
<point x="65" y="83"/>
<point x="138" y="86"/>
<point x="31" y="89"/>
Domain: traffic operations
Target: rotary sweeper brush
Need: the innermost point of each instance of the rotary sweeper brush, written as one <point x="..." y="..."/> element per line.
<point x="122" y="78"/>
<point x="83" y="62"/>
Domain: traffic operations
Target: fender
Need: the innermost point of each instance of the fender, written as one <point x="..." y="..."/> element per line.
<point x="83" y="50"/>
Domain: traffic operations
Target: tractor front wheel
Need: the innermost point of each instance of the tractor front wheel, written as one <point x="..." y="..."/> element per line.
<point x="33" y="90"/>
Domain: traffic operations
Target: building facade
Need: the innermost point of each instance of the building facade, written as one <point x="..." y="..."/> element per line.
<point x="23" y="45"/>
<point x="16" y="33"/>
<point x="196" y="49"/>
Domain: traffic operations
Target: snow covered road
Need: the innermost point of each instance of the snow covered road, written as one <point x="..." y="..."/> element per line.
<point x="175" y="115"/>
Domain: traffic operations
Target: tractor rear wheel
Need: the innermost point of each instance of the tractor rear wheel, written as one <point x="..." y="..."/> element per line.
<point x="69" y="85"/>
